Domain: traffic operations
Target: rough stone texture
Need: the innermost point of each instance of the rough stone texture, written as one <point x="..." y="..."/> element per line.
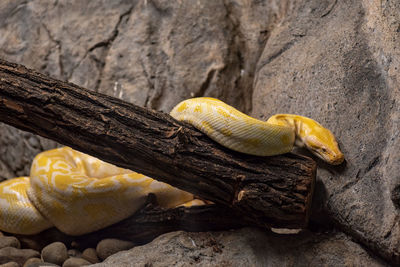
<point x="90" y="255"/>
<point x="32" y="261"/>
<point x="347" y="78"/>
<point x="336" y="61"/>
<point x="74" y="253"/>
<point x="75" y="262"/>
<point x="55" y="252"/>
<point x="42" y="264"/>
<point x="20" y="256"/>
<point x="9" y="241"/>
<point x="257" y="248"/>
<point x="110" y="246"/>
<point x="10" y="264"/>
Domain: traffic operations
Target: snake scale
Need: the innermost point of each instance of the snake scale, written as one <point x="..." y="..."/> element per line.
<point x="78" y="193"/>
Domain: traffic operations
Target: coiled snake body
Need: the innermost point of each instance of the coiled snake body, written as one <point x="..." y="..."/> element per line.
<point x="79" y="194"/>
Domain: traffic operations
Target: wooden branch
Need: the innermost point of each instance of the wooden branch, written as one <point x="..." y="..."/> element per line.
<point x="267" y="191"/>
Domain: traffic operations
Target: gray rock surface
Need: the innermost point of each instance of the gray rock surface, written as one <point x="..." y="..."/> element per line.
<point x="32" y="261"/>
<point x="20" y="256"/>
<point x="335" y="61"/>
<point x="90" y="255"/>
<point x="110" y="246"/>
<point x="245" y="247"/>
<point x="10" y="264"/>
<point x="55" y="252"/>
<point x="42" y="264"/>
<point x="74" y="253"/>
<point x="9" y="241"/>
<point x="347" y="78"/>
<point x="75" y="262"/>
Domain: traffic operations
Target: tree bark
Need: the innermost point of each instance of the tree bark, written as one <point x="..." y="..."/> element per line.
<point x="266" y="191"/>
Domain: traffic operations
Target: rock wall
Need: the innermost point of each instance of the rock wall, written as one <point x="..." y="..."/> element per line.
<point x="336" y="61"/>
<point x="339" y="64"/>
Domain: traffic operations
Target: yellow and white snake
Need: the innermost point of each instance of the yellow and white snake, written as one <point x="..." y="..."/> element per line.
<point x="78" y="193"/>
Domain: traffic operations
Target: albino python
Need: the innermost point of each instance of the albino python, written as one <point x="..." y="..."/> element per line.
<point x="78" y="193"/>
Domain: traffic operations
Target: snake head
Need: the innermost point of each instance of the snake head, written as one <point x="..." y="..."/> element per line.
<point x="322" y="143"/>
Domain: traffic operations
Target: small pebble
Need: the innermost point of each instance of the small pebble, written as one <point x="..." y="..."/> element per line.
<point x="29" y="242"/>
<point x="20" y="256"/>
<point x="55" y="253"/>
<point x="30" y="261"/>
<point x="9" y="241"/>
<point x="10" y="264"/>
<point x="42" y="264"/>
<point x="110" y="246"/>
<point x="74" y="253"/>
<point x="75" y="262"/>
<point x="90" y="255"/>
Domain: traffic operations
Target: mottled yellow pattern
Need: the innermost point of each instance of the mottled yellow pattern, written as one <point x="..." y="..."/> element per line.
<point x="311" y="135"/>
<point x="182" y="107"/>
<point x="17" y="213"/>
<point x="78" y="193"/>
<point x="74" y="185"/>
<point x="197" y="108"/>
<point x="237" y="131"/>
<point x="234" y="129"/>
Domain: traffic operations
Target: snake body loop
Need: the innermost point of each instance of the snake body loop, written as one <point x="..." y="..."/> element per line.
<point x="79" y="194"/>
<point x="234" y="129"/>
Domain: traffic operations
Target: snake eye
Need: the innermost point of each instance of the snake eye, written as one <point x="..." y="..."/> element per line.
<point x="323" y="149"/>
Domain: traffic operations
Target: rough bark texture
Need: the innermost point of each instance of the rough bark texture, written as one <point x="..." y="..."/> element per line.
<point x="334" y="60"/>
<point x="273" y="191"/>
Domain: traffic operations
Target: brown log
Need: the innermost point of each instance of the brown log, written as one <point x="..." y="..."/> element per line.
<point x="267" y="191"/>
